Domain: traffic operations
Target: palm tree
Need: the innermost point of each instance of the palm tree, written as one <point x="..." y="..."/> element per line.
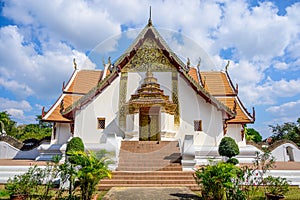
<point x="91" y="170"/>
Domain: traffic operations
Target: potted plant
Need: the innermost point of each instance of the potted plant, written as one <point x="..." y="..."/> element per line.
<point x="276" y="187"/>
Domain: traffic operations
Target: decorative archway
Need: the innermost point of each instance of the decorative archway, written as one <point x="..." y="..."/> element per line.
<point x="149" y="102"/>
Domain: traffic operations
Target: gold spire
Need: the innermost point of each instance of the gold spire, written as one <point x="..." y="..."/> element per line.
<point x="150" y="20"/>
<point x="149" y="78"/>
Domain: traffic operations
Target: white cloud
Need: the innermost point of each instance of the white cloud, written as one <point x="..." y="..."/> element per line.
<point x="287" y="112"/>
<point x="20" y="110"/>
<point x="36" y="55"/>
<point x="281" y="66"/>
<point x="21" y="90"/>
<point x="257" y="33"/>
<point x="282" y="88"/>
<point x="82" y="23"/>
<point x="26" y="72"/>
<point x="19" y="116"/>
<point x="16" y="113"/>
<point x="6" y="104"/>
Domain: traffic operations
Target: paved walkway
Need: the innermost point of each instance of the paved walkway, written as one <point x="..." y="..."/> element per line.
<point x="150" y="193"/>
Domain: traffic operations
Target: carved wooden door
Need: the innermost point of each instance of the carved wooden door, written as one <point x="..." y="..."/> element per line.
<point x="149" y="125"/>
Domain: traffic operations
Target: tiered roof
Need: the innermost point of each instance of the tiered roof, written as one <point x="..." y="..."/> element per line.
<point x="220" y="86"/>
<point x="80" y="83"/>
<point x="215" y="87"/>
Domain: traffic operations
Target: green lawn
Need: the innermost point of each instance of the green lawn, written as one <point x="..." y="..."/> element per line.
<point x="4" y="194"/>
<point x="292" y="194"/>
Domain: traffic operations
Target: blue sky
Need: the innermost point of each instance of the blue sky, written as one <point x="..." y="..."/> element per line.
<point x="39" y="39"/>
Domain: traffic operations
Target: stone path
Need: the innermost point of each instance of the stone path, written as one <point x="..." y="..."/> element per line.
<point x="150" y="193"/>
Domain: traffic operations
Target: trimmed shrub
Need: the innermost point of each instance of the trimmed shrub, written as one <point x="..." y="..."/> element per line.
<point x="233" y="161"/>
<point x="228" y="147"/>
<point x="75" y="144"/>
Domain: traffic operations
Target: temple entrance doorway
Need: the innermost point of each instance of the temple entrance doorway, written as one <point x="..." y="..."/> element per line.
<point x="149" y="124"/>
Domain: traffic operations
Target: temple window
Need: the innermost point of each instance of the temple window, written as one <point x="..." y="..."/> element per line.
<point x="101" y="123"/>
<point x="197" y="125"/>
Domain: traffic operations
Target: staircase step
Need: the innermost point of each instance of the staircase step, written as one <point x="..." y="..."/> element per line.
<point x="151" y="178"/>
<point x="157" y="173"/>
<point x="159" y="182"/>
<point x="192" y="187"/>
<point x="149" y="156"/>
<point x="149" y="164"/>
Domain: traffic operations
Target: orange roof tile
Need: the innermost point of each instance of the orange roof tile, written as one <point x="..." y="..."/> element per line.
<point x="194" y="74"/>
<point x="241" y="115"/>
<point x="55" y="114"/>
<point x="84" y="81"/>
<point x="216" y="83"/>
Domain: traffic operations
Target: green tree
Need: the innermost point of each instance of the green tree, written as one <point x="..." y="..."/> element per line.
<point x="91" y="170"/>
<point x="33" y="131"/>
<point x="253" y="135"/>
<point x="9" y="124"/>
<point x="220" y="181"/>
<point x="288" y="130"/>
<point x="228" y="147"/>
<point x="41" y="123"/>
<point x="28" y="131"/>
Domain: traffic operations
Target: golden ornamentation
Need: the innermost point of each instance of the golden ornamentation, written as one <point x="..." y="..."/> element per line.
<point x="150" y="95"/>
<point x="149" y="57"/>
<point x="122" y="100"/>
<point x="175" y="98"/>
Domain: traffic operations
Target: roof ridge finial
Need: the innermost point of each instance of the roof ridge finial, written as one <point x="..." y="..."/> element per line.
<point x="150" y="20"/>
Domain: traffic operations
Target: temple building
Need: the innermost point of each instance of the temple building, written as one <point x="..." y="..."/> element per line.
<point x="149" y="94"/>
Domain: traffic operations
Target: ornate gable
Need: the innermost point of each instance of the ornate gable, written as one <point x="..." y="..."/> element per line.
<point x="149" y="57"/>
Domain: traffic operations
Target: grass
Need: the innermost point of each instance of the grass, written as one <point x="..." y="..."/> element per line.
<point x="4" y="194"/>
<point x="292" y="194"/>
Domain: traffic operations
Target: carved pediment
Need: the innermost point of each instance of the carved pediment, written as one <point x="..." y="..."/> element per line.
<point x="149" y="57"/>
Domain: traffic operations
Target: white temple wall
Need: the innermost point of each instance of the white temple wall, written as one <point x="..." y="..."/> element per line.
<point x="234" y="131"/>
<point x="62" y="135"/>
<point x="105" y="106"/>
<point x="194" y="107"/>
<point x="286" y="152"/>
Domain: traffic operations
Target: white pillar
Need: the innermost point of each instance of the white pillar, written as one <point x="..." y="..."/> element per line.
<point x="129" y="122"/>
<point x="163" y="121"/>
<point x="136" y="122"/>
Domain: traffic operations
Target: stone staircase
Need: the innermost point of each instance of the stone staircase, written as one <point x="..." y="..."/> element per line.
<point x="149" y="156"/>
<point x="149" y="164"/>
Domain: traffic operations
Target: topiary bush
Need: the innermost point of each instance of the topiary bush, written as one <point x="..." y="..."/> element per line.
<point x="228" y="147"/>
<point x="75" y="144"/>
<point x="233" y="161"/>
